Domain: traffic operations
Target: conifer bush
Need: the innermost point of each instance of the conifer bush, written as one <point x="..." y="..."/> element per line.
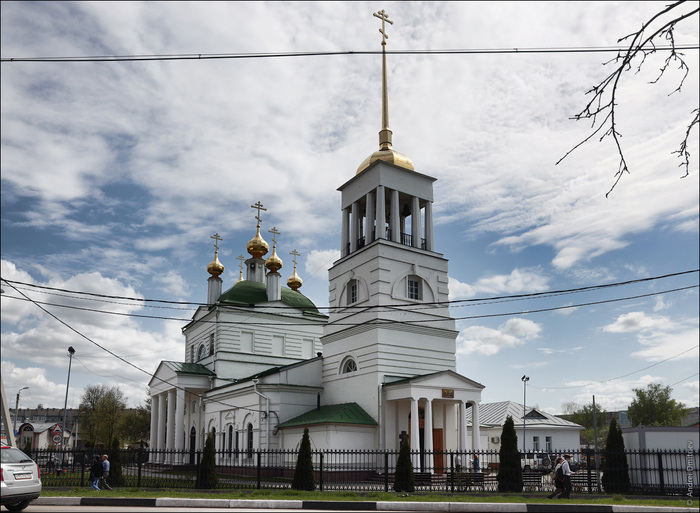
<point x="208" y="478"/>
<point x="116" y="476"/>
<point x="404" y="480"/>
<point x="304" y="472"/>
<point x="616" y="478"/>
<point x="510" y="473"/>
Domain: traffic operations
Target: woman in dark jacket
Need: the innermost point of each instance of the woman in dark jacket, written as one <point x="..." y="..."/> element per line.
<point x="95" y="472"/>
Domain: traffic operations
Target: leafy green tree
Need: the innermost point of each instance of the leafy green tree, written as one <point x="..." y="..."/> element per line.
<point x="583" y="415"/>
<point x="510" y="473"/>
<point x="208" y="478"/>
<point x="653" y="406"/>
<point x="616" y="477"/>
<point x="404" y="480"/>
<point x="134" y="426"/>
<point x="304" y="478"/>
<point x="100" y="410"/>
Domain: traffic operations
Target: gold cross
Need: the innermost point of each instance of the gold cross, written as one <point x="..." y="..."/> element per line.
<point x="259" y="206"/>
<point x="216" y="240"/>
<point x="242" y="259"/>
<point x="384" y="17"/>
<point x="296" y="254"/>
<point x="274" y="233"/>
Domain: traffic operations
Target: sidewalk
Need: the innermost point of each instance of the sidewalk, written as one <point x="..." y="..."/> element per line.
<point x="553" y="506"/>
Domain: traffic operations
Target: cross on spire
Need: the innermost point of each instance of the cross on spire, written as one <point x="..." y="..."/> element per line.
<point x="274" y="233"/>
<point x="295" y="254"/>
<point x="242" y="259"/>
<point x="216" y="241"/>
<point x="385" y="18"/>
<point x="260" y="207"/>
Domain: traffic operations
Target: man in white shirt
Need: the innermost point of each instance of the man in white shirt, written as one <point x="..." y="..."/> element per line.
<point x="567" y="476"/>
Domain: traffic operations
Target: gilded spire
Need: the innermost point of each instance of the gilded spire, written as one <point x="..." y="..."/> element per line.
<point x="274" y="263"/>
<point x="257" y="247"/>
<point x="215" y="268"/>
<point x="385" y="152"/>
<point x="294" y="282"/>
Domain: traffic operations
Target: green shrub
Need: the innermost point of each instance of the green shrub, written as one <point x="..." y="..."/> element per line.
<point x="510" y="473"/>
<point x="304" y="472"/>
<point x="616" y="478"/>
<point x="404" y="480"/>
<point x="208" y="478"/>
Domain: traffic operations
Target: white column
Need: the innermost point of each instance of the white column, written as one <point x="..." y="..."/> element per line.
<point x="429" y="234"/>
<point x="153" y="442"/>
<point x="415" y="435"/>
<point x="381" y="213"/>
<point x="345" y="237"/>
<point x="476" y="442"/>
<point x="416" y="230"/>
<point x="462" y="427"/>
<point x="394" y="219"/>
<point x="170" y="433"/>
<point x="162" y="412"/>
<point x="180" y="424"/>
<point x="370" y="232"/>
<point x="428" y="436"/>
<point x="354" y="226"/>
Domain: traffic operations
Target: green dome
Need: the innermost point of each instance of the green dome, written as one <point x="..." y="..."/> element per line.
<point x="246" y="293"/>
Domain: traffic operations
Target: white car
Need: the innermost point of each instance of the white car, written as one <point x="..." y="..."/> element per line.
<point x="20" y="479"/>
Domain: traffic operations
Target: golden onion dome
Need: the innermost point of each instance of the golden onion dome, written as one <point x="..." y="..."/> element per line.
<point x="294" y="282"/>
<point x="215" y="268"/>
<point x="257" y="247"/>
<point x="390" y="156"/>
<point x="274" y="263"/>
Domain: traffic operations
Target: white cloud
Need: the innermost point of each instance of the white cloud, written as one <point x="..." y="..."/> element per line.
<point x="519" y="280"/>
<point x="489" y="341"/>
<point x="637" y="321"/>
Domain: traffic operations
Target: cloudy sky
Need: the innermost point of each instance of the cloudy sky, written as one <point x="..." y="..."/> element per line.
<point x="115" y="175"/>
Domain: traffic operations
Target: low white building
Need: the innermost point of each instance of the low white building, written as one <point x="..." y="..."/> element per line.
<point x="541" y="431"/>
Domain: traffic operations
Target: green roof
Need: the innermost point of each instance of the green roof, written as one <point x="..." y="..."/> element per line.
<point x="247" y="293"/>
<point x="189" y="368"/>
<point x="348" y="413"/>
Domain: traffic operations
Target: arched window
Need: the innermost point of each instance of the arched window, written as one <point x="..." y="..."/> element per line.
<point x="349" y="365"/>
<point x="250" y="440"/>
<point x="213" y="437"/>
<point x="202" y="352"/>
<point x="230" y="440"/>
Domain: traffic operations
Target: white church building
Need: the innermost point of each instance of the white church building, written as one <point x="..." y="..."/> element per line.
<point x="262" y="362"/>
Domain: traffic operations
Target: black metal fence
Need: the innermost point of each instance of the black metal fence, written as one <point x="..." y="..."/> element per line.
<point x="650" y="472"/>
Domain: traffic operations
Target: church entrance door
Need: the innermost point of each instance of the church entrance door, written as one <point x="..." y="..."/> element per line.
<point x="438" y="448"/>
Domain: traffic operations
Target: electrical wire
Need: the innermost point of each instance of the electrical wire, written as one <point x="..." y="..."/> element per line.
<point x="220" y="56"/>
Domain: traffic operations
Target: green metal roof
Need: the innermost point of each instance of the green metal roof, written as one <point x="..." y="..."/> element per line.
<point x="246" y="293"/>
<point x="189" y="368"/>
<point x="348" y="413"/>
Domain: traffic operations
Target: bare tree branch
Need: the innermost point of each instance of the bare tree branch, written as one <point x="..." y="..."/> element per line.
<point x="601" y="109"/>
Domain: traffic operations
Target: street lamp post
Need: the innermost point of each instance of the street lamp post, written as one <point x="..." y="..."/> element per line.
<point x="524" y="379"/>
<point x="14" y="425"/>
<point x="71" y="352"/>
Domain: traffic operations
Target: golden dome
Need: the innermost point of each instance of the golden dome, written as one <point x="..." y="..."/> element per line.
<point x="274" y="263"/>
<point x="257" y="247"/>
<point x="215" y="268"/>
<point x="390" y="156"/>
<point x="294" y="282"/>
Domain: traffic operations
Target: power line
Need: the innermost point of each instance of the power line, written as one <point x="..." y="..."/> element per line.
<point x="411" y="306"/>
<point x="220" y="56"/>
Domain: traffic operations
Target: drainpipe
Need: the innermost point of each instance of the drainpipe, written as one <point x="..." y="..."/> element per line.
<point x="267" y="415"/>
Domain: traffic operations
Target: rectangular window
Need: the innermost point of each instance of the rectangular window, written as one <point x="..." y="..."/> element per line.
<point x="352" y="292"/>
<point x="548" y="443"/>
<point x="535" y="443"/>
<point x="246" y="342"/>
<point x="192" y="353"/>
<point x="211" y="343"/>
<point x="413" y="289"/>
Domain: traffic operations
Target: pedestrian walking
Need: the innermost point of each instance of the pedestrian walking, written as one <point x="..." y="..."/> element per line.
<point x="558" y="478"/>
<point x="95" y="472"/>
<point x="105" y="473"/>
<point x="567" y="477"/>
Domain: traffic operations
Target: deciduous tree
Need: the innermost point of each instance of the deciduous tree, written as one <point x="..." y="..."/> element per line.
<point x="653" y="406"/>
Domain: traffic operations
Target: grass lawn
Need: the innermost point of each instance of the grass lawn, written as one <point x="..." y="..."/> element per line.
<point x="680" y="502"/>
